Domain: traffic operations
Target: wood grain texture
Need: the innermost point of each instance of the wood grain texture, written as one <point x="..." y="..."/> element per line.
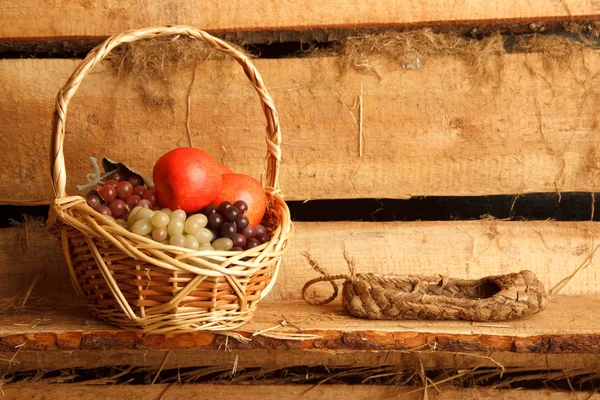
<point x="84" y="19"/>
<point x="270" y="392"/>
<point x="29" y="360"/>
<point x="461" y="249"/>
<point x="569" y="325"/>
<point x="435" y="130"/>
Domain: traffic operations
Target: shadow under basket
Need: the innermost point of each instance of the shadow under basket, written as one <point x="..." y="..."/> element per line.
<point x="139" y="284"/>
<point x="395" y="297"/>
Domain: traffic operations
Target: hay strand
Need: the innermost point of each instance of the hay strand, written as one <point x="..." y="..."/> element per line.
<point x="162" y="365"/>
<point x="565" y="281"/>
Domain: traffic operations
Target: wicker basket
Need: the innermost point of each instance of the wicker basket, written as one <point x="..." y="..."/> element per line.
<point x="139" y="284"/>
<point x="396" y="297"/>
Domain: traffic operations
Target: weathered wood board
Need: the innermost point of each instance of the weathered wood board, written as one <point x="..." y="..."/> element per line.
<point x="31" y="360"/>
<point x="273" y="392"/>
<point x="570" y="324"/>
<point x="61" y="19"/>
<point x="435" y="130"/>
<point x="462" y="249"/>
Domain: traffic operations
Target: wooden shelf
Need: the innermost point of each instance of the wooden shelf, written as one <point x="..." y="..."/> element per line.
<point x="570" y="324"/>
<point x="265" y="392"/>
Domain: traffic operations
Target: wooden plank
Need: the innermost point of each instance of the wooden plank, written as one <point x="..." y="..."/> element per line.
<point x="434" y="130"/>
<point x="462" y="249"/>
<point x="264" y="392"/>
<point x="30" y="360"/>
<point x="569" y="325"/>
<point x="88" y="19"/>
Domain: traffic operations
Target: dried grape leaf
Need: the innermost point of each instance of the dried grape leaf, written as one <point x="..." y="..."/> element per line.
<point x="110" y="166"/>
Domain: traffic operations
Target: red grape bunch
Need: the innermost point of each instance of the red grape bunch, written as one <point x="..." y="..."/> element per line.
<point x="117" y="196"/>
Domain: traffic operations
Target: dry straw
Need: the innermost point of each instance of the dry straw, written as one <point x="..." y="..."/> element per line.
<point x="152" y="64"/>
<point x="409" y="48"/>
<point x="137" y="283"/>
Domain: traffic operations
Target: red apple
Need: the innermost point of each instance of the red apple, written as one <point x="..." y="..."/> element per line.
<point x="187" y="178"/>
<point x="243" y="187"/>
<point x="225" y="169"/>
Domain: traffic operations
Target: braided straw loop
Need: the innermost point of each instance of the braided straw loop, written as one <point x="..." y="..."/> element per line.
<point x="140" y="284"/>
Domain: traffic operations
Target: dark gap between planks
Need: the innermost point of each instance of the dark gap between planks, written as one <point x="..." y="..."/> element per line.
<point x="286" y="44"/>
<point x="543" y="206"/>
<point x="485" y="377"/>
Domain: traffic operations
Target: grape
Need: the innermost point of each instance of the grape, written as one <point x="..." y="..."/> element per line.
<point x="96" y="187"/>
<point x="238" y="240"/>
<point x="122" y="223"/>
<point x="145" y="203"/>
<point x="136" y="180"/>
<point x="123" y="216"/>
<point x="204" y="236"/>
<point x="215" y="235"/>
<point x="191" y="226"/>
<point x="93" y="200"/>
<point x="242" y="222"/>
<point x="117" y="207"/>
<point x="236" y="248"/>
<point x="132" y="201"/>
<point x="241" y="205"/>
<point x="260" y="230"/>
<point x="215" y="221"/>
<point x="191" y="242"/>
<point x="206" y="247"/>
<point x="224" y="206"/>
<point x="167" y="211"/>
<point x="139" y="190"/>
<point x="159" y="234"/>
<point x="249" y="232"/>
<point x="223" y="244"/>
<point x="124" y="189"/>
<point x="175" y="227"/>
<point x="160" y="219"/>
<point x="200" y="219"/>
<point x="104" y="210"/>
<point x="228" y="229"/>
<point x="145" y="213"/>
<point x="108" y="193"/>
<point x="142" y="227"/>
<point x="111" y="182"/>
<point x="209" y="210"/>
<point x="178" y="214"/>
<point x="264" y="238"/>
<point x="231" y="214"/>
<point x="133" y="213"/>
<point x="251" y="243"/>
<point x="151" y="196"/>
<point x="119" y="176"/>
<point x="177" y="240"/>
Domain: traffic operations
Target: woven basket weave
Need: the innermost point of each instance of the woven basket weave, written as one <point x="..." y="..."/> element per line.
<point x="395" y="297"/>
<point x="139" y="284"/>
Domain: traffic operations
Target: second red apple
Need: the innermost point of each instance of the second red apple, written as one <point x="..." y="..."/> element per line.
<point x="243" y="187"/>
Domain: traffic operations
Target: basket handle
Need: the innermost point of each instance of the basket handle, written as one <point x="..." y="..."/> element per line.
<point x="273" y="132"/>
